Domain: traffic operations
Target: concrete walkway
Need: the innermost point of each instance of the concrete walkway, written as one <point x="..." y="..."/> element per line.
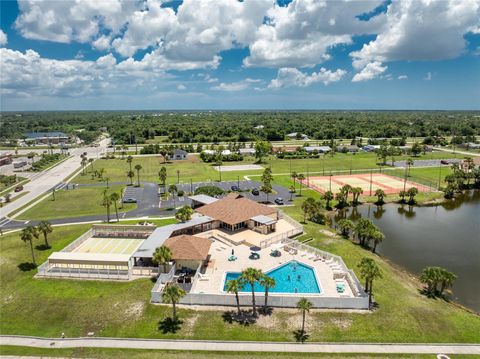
<point x="238" y="346"/>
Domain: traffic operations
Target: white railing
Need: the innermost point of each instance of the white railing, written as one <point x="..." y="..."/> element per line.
<point x="46" y="270"/>
<point x="349" y="274"/>
<point x="298" y="229"/>
<point x="77" y="242"/>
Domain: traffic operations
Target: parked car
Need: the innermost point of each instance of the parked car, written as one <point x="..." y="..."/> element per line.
<point x="129" y="200"/>
<point x="279" y="201"/>
<point x="255" y="192"/>
<point x="444" y="162"/>
<point x="235" y="188"/>
<point x="19" y="188"/>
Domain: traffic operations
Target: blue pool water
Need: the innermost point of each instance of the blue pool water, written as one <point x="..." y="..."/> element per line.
<point x="291" y="277"/>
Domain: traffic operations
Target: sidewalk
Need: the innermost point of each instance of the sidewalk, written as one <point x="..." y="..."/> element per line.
<point x="235" y="346"/>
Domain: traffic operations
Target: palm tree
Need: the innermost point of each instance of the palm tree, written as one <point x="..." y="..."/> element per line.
<point x="356" y="192"/>
<point x="377" y="237"/>
<point x="267" y="282"/>
<point x="328" y="196"/>
<point x="27" y="235"/>
<point x="307" y="206"/>
<point x="301" y="177"/>
<point x="184" y="214"/>
<point x="380" y="193"/>
<point x="369" y="270"/>
<point x="172" y="294"/>
<point x="162" y="175"/>
<point x="107" y="202"/>
<point x="162" y="255"/>
<point x="446" y="280"/>
<point x="411" y="193"/>
<point x="345" y="226"/>
<point x="294" y="176"/>
<point x="304" y="305"/>
<point x="138" y="167"/>
<point x="131" y="174"/>
<point x="115" y="197"/>
<point x="129" y="161"/>
<point x="430" y="277"/>
<point x="251" y="276"/>
<point x="234" y="286"/>
<point x="45" y="227"/>
<point x="292" y="190"/>
<point x="173" y="189"/>
<point x="410" y="163"/>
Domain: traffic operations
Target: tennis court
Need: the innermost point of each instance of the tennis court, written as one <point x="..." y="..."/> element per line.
<point x="369" y="183"/>
<point x="109" y="245"/>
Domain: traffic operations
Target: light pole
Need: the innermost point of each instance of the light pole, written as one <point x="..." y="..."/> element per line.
<point x="178" y="176"/>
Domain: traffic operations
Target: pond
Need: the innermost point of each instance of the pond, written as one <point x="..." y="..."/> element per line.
<point x="447" y="235"/>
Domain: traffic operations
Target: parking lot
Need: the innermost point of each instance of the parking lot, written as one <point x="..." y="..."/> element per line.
<point x="245" y="188"/>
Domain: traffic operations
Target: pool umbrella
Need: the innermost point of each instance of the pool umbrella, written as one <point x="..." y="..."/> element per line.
<point x="255" y="249"/>
<point x="233" y="252"/>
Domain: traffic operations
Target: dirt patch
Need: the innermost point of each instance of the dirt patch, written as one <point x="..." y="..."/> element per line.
<point x="135" y="310"/>
<point x="268" y="321"/>
<point x="189" y="324"/>
<point x="295" y="322"/>
<point x="342" y="323"/>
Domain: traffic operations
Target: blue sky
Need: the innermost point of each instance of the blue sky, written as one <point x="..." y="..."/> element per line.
<point x="225" y="54"/>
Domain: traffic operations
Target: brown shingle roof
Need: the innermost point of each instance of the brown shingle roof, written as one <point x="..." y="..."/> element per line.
<point x="189" y="247"/>
<point x="234" y="209"/>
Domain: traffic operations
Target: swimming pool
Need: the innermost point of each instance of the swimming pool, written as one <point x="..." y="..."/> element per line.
<point x="291" y="277"/>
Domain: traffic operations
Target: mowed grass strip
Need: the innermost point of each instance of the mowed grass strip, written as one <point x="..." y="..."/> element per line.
<point x="83" y="201"/>
<point x="48" y="307"/>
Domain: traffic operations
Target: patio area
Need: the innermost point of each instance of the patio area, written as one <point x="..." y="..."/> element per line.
<point x="212" y="277"/>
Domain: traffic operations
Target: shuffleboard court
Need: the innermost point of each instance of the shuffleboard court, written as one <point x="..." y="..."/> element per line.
<point x="238" y="168"/>
<point x="369" y="183"/>
<point x="109" y="245"/>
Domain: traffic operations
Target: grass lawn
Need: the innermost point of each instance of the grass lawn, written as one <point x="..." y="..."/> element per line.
<point x="48" y="307"/>
<point x="164" y="354"/>
<point x="196" y="170"/>
<point x="83" y="201"/>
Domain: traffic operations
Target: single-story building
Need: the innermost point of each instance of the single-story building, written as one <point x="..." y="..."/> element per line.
<point x="46" y="137"/>
<point x="189" y="251"/>
<point x="179" y="154"/>
<point x="246" y="151"/>
<point x="209" y="152"/>
<point x="348" y="148"/>
<point x="201" y="200"/>
<point x="235" y="212"/>
<point x="371" y="148"/>
<point x="293" y="135"/>
<point x="319" y="149"/>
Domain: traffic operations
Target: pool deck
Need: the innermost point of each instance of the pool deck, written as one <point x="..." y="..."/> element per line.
<point x="212" y="279"/>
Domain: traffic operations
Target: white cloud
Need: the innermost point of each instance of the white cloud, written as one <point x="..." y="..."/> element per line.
<point x="300" y="34"/>
<point x="369" y="72"/>
<point x="428" y="76"/>
<point x="3" y="38"/>
<point x="232" y="86"/>
<point x="289" y="76"/>
<point x="181" y="87"/>
<point x="402" y="77"/>
<point x="421" y="30"/>
<point x="29" y="73"/>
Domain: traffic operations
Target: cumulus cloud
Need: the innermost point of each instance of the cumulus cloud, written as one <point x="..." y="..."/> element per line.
<point x="421" y="30"/>
<point x="236" y="86"/>
<point x="29" y="73"/>
<point x="428" y="76"/>
<point x="300" y="34"/>
<point x="3" y="38"/>
<point x="402" y="77"/>
<point x="181" y="87"/>
<point x="369" y="72"/>
<point x="289" y="76"/>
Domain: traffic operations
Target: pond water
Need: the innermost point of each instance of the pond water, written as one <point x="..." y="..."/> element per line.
<point x="446" y="235"/>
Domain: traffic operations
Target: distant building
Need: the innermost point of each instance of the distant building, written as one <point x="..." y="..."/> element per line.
<point x="226" y="153"/>
<point x="293" y="135"/>
<point x="348" y="148"/>
<point x="259" y="127"/>
<point x="285" y="149"/>
<point x="179" y="154"/>
<point x="371" y="148"/>
<point x="209" y="152"/>
<point x="46" y="138"/>
<point x="5" y="158"/>
<point x="319" y="149"/>
<point x="247" y="151"/>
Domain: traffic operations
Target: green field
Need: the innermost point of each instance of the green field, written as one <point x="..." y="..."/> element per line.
<point x="83" y="201"/>
<point x="196" y="170"/>
<point x="48" y="307"/>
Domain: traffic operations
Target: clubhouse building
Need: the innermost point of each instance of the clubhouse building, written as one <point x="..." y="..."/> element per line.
<point x="224" y="236"/>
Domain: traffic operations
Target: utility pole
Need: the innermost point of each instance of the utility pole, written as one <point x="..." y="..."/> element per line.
<point x="371" y="181"/>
